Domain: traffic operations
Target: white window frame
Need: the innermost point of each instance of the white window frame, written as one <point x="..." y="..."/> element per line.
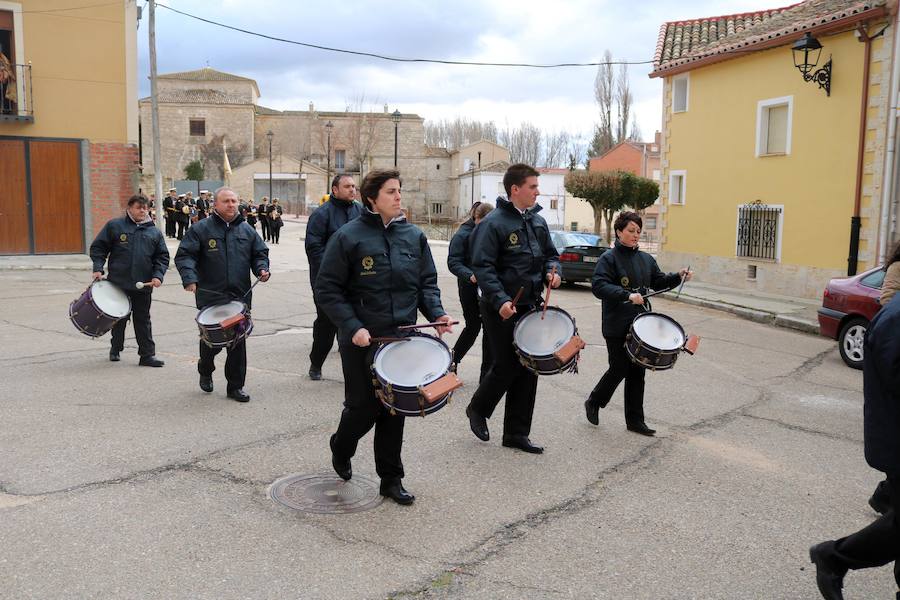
<point x="683" y="195"/>
<point x="687" y="92"/>
<point x="19" y="42"/>
<point x="762" y="124"/>
<point x="778" y="234"/>
<point x="343" y="162"/>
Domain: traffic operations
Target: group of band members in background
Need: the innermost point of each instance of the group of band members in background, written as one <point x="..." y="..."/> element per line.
<point x="183" y="210"/>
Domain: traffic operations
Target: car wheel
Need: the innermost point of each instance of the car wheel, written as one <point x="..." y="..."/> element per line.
<point x="850" y="342"/>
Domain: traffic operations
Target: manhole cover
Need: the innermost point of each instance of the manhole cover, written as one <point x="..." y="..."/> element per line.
<point x="327" y="494"/>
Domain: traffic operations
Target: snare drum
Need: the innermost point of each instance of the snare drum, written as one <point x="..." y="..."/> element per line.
<point x="100" y="307"/>
<point x="224" y="325"/>
<point x="655" y="341"/>
<point x="550" y="345"/>
<point x="413" y="376"/>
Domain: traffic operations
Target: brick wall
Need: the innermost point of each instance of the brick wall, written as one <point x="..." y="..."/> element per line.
<point x="114" y="178"/>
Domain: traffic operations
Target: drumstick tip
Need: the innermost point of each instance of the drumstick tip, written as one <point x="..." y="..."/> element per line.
<point x="139" y="285"/>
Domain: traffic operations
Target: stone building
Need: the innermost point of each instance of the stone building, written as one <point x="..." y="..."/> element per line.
<point x="198" y="110"/>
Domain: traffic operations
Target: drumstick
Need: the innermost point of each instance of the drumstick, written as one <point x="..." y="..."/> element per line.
<point x="518" y="296"/>
<point x="388" y="340"/>
<point x="252" y="286"/>
<point x="435" y="324"/>
<point x="141" y="284"/>
<point x="683" y="279"/>
<point x="549" y="286"/>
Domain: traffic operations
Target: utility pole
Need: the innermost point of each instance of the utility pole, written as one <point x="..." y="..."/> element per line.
<point x="154" y="116"/>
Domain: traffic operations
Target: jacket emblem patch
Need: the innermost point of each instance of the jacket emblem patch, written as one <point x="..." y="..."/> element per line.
<point x="212" y="244"/>
<point x="625" y="281"/>
<point x="123" y="237"/>
<point x="513" y="238"/>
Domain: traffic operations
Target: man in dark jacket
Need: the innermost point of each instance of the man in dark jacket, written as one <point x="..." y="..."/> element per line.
<point x="322" y="224"/>
<point x="380" y="274"/>
<point x="879" y="543"/>
<point x="262" y="213"/>
<point x="137" y="253"/>
<point x="203" y="205"/>
<point x="182" y="218"/>
<point x="168" y="205"/>
<point x="511" y="249"/>
<point x="215" y="260"/>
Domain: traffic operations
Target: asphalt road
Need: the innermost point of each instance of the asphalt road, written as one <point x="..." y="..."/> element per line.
<point x="118" y="481"/>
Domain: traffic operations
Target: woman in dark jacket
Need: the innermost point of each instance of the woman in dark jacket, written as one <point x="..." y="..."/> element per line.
<point x="459" y="260"/>
<point x="378" y="273"/>
<point x="622" y="276"/>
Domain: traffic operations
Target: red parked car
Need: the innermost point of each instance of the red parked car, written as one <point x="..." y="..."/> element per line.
<point x="849" y="303"/>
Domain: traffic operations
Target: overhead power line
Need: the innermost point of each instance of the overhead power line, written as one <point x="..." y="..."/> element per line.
<point x="404" y="59"/>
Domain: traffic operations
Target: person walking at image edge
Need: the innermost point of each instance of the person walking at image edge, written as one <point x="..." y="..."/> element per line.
<point x="339" y="210"/>
<point x="459" y="261"/>
<point x="215" y="260"/>
<point x="511" y="248"/>
<point x="622" y="276"/>
<point x="135" y="251"/>
<point x="380" y="272"/>
<point x="262" y="214"/>
<point x="879" y="543"/>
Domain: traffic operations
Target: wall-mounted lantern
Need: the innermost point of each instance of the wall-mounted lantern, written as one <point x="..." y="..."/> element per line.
<point x="806" y="56"/>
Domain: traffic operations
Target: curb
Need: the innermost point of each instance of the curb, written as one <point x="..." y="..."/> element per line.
<point x="757" y="316"/>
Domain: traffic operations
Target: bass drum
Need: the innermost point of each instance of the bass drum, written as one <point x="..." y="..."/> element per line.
<point x="414" y="377"/>
<point x="98" y="308"/>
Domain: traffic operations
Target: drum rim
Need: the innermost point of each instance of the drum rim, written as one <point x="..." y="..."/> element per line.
<point x="385" y="381"/>
<point x="102" y="285"/>
<point x="649" y="345"/>
<point x="529" y="313"/>
<point x="212" y="306"/>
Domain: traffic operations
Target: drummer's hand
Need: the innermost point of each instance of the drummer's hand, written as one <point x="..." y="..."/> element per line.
<point x="554" y="280"/>
<point x="442" y="329"/>
<point x="155" y="282"/>
<point x="191" y="287"/>
<point x="264" y="276"/>
<point x="636" y="298"/>
<point x="507" y="310"/>
<point x="686" y="274"/>
<point x="472" y="279"/>
<point x="361" y="338"/>
<point x="97" y="275"/>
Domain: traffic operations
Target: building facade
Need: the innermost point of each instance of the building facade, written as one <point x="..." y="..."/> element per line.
<point x="798" y="193"/>
<point x="68" y="142"/>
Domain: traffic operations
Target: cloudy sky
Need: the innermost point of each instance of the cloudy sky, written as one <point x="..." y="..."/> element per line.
<point x="522" y="31"/>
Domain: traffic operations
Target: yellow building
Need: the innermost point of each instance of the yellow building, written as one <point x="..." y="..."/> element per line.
<point x="760" y="186"/>
<point x="68" y="121"/>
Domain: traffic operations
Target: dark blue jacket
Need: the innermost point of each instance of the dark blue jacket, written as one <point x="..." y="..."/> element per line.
<point x="136" y="252"/>
<point x="377" y="277"/>
<point x="459" y="257"/>
<point x="881" y="389"/>
<point x="511" y="250"/>
<point x="620" y="272"/>
<point x="322" y="224"/>
<point x="219" y="257"/>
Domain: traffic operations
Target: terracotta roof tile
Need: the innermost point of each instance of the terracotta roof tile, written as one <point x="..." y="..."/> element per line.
<point x="207" y="74"/>
<point x="682" y="42"/>
<point x="199" y="97"/>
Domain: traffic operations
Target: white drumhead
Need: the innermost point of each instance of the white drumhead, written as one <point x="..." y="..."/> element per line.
<point x="213" y="315"/>
<point x="659" y="332"/>
<point x="539" y="337"/>
<point x="110" y="299"/>
<point x="419" y="361"/>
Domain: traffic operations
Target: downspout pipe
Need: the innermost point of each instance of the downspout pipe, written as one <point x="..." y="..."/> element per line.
<point x="888" y="184"/>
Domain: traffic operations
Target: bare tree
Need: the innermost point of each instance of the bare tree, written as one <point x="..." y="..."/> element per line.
<point x="456" y="133"/>
<point x="624" y="100"/>
<point x="556" y="146"/>
<point x="577" y="154"/>
<point x="604" y="94"/>
<point x="635" y="134"/>
<point x="523" y="143"/>
<point x="361" y="130"/>
<point x="214" y="158"/>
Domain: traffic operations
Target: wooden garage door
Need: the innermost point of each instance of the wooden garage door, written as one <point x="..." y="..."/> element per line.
<point x="13" y="198"/>
<point x="56" y="197"/>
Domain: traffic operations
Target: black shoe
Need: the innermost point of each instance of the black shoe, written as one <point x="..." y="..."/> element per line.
<point x="342" y="468"/>
<point x="150" y="361"/>
<point x="206" y="383"/>
<point x="522" y="443"/>
<point x="478" y="424"/>
<point x="114" y="356"/>
<point x="881" y="499"/>
<point x="315" y="374"/>
<point x="592" y="412"/>
<point x="240" y="395"/>
<point x="829" y="579"/>
<point x="641" y="428"/>
<point x="394" y="490"/>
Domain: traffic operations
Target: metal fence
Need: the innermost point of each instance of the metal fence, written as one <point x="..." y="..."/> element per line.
<point x="757" y="235"/>
<point x="15" y="93"/>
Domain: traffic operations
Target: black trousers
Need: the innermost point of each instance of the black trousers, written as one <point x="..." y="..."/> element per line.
<point x="468" y="298"/>
<point x="621" y="367"/>
<point x="170" y="226"/>
<point x="235" y="363"/>
<point x="275" y="234"/>
<point x="362" y="411"/>
<point x="874" y="545"/>
<point x="505" y="376"/>
<point x="182" y="227"/>
<point x="140" y="316"/>
<point x="324" y="332"/>
<point x="264" y="226"/>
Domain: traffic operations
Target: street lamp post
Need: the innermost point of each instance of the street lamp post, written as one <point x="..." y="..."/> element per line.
<point x="269" y="136"/>
<point x="328" y="127"/>
<point x="395" y="117"/>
